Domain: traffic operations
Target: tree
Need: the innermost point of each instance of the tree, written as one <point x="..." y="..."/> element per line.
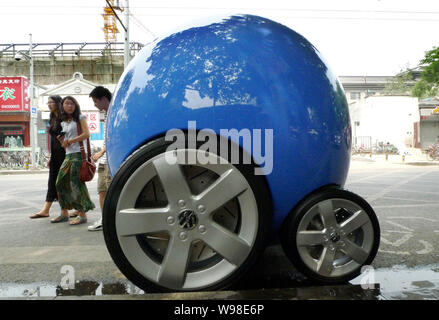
<point x="428" y="86"/>
<point x="401" y="84"/>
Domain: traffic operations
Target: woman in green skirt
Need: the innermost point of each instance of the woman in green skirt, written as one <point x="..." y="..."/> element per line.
<point x="72" y="193"/>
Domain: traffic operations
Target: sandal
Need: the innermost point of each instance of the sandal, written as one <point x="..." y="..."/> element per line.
<point x="60" y="218"/>
<point x="74" y="214"/>
<point x="38" y="215"/>
<point x="78" y="220"/>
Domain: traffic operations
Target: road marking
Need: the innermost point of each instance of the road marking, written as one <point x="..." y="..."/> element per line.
<point x="373" y="176"/>
<point x="400" y="226"/>
<point x="398" y="242"/>
<point x="402" y="253"/>
<point x="408" y="205"/>
<point x="417" y="218"/>
<point x="395" y="186"/>
<point x="427" y="247"/>
<point x="414" y="191"/>
<point x="396" y="231"/>
<point x="406" y="199"/>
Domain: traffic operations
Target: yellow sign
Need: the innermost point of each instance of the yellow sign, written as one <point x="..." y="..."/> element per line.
<point x="435" y="110"/>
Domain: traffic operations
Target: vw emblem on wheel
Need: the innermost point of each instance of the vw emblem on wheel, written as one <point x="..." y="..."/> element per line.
<point x="188" y="219"/>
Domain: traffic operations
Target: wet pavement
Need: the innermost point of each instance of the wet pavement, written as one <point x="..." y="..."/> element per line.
<point x="404" y="197"/>
<point x="396" y="283"/>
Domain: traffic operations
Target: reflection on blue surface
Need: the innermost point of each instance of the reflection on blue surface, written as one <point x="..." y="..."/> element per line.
<point x="239" y="72"/>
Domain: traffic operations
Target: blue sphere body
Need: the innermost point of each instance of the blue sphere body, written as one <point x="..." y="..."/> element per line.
<point x="241" y="72"/>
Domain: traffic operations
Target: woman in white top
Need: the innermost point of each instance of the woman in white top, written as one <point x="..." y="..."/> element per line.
<point x="72" y="193"/>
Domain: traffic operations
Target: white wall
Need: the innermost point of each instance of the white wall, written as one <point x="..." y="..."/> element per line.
<point x="385" y="119"/>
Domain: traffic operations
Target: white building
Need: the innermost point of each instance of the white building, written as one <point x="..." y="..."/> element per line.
<point x="79" y="88"/>
<point x="385" y="119"/>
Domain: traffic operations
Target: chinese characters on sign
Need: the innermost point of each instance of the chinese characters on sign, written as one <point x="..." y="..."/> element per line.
<point x="7" y="94"/>
<point x="93" y="120"/>
<point x="14" y="94"/>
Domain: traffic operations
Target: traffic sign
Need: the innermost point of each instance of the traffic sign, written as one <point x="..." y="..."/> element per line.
<point x="33" y="112"/>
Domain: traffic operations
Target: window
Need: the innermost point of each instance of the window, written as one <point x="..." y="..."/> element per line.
<point x="355" y="95"/>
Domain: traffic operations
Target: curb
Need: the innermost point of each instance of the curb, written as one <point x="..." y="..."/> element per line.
<point x="336" y="292"/>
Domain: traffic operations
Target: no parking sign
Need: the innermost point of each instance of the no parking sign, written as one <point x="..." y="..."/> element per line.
<point x="93" y="120"/>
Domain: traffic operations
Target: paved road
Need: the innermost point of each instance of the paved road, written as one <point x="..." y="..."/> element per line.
<point x="405" y="198"/>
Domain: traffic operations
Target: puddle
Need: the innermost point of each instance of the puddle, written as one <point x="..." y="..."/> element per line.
<point x="402" y="279"/>
<point x="398" y="282"/>
<point x="81" y="288"/>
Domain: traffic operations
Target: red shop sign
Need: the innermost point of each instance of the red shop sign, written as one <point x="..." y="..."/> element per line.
<point x="14" y="94"/>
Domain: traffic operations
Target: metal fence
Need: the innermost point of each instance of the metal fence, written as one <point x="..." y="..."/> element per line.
<point x="21" y="159"/>
<point x="362" y="144"/>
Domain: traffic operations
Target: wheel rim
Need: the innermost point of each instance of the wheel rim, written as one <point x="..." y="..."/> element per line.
<point x="179" y="242"/>
<point x="335" y="237"/>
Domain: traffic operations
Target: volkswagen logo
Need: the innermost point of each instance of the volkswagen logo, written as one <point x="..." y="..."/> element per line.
<point x="188" y="219"/>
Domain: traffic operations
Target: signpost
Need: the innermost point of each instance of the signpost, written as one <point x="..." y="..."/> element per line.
<point x="34" y="112"/>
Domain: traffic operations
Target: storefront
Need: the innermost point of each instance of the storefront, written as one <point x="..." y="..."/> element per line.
<point x="429" y="124"/>
<point x="14" y="112"/>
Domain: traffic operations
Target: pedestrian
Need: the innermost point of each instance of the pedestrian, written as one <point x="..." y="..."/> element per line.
<point x="72" y="192"/>
<point x="57" y="155"/>
<point x="101" y="97"/>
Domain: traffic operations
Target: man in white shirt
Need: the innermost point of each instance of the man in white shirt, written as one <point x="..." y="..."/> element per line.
<point x="101" y="97"/>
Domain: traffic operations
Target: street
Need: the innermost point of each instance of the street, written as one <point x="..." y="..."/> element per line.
<point x="36" y="252"/>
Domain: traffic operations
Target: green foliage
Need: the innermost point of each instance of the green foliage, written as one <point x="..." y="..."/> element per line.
<point x="400" y="84"/>
<point x="423" y="89"/>
<point x="428" y="86"/>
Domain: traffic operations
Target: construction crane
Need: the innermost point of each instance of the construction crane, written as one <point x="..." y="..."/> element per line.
<point x="110" y="27"/>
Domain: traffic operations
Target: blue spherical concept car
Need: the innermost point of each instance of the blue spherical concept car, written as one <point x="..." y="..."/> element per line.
<point x="220" y="138"/>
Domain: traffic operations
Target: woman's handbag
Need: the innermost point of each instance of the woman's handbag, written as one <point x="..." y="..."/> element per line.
<point x="88" y="168"/>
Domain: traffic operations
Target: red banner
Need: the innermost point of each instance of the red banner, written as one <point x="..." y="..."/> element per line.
<point x="14" y="94"/>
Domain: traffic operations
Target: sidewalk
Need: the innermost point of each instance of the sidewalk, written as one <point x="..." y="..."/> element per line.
<point x="413" y="157"/>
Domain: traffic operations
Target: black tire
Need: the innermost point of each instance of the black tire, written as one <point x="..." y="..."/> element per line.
<point x="260" y="190"/>
<point x="289" y="230"/>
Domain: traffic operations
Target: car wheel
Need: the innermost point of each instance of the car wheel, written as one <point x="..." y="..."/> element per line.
<point x="180" y="227"/>
<point x="331" y="235"/>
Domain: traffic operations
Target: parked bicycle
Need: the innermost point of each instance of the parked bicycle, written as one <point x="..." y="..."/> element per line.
<point x="433" y="151"/>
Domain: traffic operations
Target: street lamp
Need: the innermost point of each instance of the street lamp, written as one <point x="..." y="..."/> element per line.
<point x="33" y="121"/>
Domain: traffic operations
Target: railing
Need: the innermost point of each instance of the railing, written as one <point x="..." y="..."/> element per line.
<point x="20" y="158"/>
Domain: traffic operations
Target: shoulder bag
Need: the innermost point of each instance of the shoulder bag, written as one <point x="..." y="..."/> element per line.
<point x="88" y="168"/>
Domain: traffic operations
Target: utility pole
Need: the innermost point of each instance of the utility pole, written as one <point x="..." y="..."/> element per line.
<point x="127" y="36"/>
<point x="31" y="90"/>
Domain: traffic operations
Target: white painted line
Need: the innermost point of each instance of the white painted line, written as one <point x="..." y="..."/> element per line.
<point x="414" y="200"/>
<point x="383" y="192"/>
<point x="416" y="218"/>
<point x="396" y="231"/>
<point x="427" y="247"/>
<point x="398" y="242"/>
<point x="402" y="253"/>
<point x="408" y="205"/>
<point x="399" y="226"/>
